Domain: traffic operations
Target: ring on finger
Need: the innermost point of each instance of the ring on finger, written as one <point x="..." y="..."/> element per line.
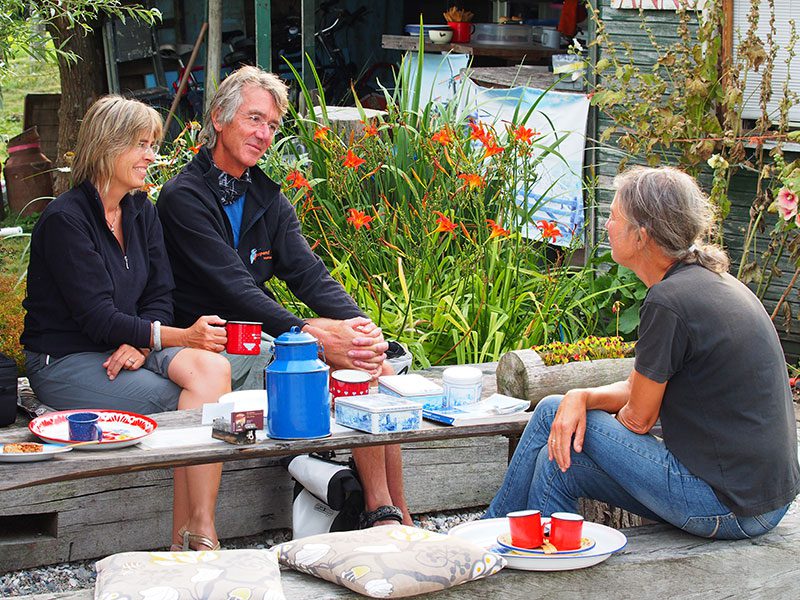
<point x="131" y="361"/>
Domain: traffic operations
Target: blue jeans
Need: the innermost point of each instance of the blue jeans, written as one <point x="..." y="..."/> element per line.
<point x="631" y="471"/>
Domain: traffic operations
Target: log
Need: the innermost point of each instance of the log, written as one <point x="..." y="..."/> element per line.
<point x="522" y="374"/>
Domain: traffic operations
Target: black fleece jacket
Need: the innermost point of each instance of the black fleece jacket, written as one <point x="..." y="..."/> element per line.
<point x="213" y="277"/>
<point x="85" y="293"/>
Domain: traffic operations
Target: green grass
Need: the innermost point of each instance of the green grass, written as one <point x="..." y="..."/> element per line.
<point x="29" y="77"/>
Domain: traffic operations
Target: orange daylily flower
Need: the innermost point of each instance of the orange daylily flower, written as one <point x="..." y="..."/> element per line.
<point x="497" y="230"/>
<point x="321" y="133"/>
<point x="297" y="180"/>
<point x="444" y="224"/>
<point x="359" y="218"/>
<point x="524" y="134"/>
<point x="549" y="230"/>
<point x="492" y="148"/>
<point x="196" y="149"/>
<point x="353" y="161"/>
<point x="369" y="129"/>
<point x="473" y="180"/>
<point x="479" y="132"/>
<point x="443" y="136"/>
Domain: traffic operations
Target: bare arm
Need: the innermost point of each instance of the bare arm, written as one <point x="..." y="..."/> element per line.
<point x="636" y="401"/>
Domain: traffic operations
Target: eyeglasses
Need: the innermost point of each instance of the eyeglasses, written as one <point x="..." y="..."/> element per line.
<point x="143" y="147"/>
<point x="256" y="121"/>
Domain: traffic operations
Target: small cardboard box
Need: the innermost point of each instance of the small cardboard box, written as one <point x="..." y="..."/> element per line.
<point x="378" y="413"/>
<point x="413" y="387"/>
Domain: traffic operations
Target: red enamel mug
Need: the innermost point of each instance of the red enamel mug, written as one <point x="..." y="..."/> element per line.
<point x="349" y="382"/>
<point x="244" y="337"/>
<point x="566" y="530"/>
<point x="526" y="528"/>
<point x="462" y="32"/>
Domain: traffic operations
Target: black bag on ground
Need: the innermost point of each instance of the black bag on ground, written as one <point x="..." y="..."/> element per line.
<point x="8" y="391"/>
<point x="327" y="496"/>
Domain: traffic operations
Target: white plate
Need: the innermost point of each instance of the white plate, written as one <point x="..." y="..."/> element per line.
<point x="485" y="532"/>
<point x="48" y="452"/>
<point x="120" y="428"/>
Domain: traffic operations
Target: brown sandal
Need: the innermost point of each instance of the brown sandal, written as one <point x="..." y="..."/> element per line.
<point x="195" y="539"/>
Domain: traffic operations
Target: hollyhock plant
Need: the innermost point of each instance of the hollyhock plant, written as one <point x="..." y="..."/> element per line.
<point x="787" y="203"/>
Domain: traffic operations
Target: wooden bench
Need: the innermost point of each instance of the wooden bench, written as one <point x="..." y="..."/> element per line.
<point x="87" y="504"/>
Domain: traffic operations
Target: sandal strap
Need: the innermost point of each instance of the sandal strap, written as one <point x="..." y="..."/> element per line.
<point x="198" y="540"/>
<point x="382" y="513"/>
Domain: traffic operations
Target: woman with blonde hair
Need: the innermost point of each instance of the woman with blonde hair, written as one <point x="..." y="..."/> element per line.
<point x="99" y="302"/>
<point x="708" y="364"/>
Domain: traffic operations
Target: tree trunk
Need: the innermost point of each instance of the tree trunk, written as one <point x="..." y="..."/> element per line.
<point x="82" y="83"/>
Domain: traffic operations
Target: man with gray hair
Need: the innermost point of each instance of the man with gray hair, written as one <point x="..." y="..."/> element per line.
<point x="229" y="229"/>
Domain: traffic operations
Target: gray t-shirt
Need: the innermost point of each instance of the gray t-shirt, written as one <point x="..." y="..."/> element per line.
<point x="727" y="412"/>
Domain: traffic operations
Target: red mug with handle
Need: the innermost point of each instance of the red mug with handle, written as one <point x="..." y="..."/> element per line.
<point x="244" y="337"/>
<point x="526" y="528"/>
<point x="565" y="530"/>
<point x="462" y="31"/>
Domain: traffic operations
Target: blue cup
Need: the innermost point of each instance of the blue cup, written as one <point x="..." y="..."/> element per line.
<point x="83" y="427"/>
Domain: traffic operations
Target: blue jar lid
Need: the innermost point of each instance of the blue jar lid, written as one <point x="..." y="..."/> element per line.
<point x="295" y="337"/>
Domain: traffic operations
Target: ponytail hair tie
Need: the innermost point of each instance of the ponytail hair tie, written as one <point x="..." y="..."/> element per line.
<point x="693" y="248"/>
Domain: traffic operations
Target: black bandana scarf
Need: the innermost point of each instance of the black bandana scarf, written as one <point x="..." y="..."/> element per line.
<point x="231" y="187"/>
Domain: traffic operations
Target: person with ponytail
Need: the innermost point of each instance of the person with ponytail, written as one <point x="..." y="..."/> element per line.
<point x="708" y="364"/>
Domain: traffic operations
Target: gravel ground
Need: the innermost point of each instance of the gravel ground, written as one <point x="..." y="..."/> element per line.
<point x="80" y="575"/>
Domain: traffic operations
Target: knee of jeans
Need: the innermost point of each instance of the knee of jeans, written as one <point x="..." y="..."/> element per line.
<point x="549" y="403"/>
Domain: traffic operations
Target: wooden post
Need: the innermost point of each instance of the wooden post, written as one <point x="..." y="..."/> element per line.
<point x="214" y="50"/>
<point x="264" y="34"/>
<point x="309" y="27"/>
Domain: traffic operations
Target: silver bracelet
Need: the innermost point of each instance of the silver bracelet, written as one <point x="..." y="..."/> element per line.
<point x="157" y="336"/>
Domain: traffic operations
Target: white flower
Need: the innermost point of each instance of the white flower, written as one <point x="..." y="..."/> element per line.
<point x="576" y="45"/>
<point x="311" y="553"/>
<point x="379" y="588"/>
<point x="160" y="593"/>
<point x="206" y="575"/>
<point x="717" y="162"/>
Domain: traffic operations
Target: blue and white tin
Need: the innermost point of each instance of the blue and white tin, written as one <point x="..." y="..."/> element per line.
<point x="413" y="387"/>
<point x="378" y="413"/>
<point x="462" y="386"/>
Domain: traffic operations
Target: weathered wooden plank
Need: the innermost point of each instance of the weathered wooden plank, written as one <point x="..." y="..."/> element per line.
<point x="99" y="516"/>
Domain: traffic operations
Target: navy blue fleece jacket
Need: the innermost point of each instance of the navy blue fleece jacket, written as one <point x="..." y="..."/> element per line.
<point x="85" y="292"/>
<point x="214" y="278"/>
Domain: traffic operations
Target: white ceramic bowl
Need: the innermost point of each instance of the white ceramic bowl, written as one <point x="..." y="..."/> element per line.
<point x="440" y="36"/>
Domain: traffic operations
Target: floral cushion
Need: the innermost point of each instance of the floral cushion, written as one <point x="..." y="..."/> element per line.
<point x="232" y="574"/>
<point x="391" y="561"/>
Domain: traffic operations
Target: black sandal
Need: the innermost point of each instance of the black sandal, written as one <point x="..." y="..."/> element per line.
<point x="382" y="513"/>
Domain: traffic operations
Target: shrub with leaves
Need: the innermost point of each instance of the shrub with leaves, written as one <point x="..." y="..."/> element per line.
<point x="11" y="296"/>
<point x="589" y="348"/>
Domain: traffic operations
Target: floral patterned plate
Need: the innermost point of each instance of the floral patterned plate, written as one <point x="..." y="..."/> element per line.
<point x="120" y="428"/>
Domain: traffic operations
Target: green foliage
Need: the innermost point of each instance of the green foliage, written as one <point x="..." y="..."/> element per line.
<point x="23" y="25"/>
<point x="588" y="348"/>
<point x="11" y="296"/>
<point x="414" y="213"/>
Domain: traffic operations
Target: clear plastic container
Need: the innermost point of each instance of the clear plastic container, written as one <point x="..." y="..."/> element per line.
<point x="509" y="34"/>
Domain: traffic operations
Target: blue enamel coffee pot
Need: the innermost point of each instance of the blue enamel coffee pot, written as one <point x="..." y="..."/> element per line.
<point x="298" y="405"/>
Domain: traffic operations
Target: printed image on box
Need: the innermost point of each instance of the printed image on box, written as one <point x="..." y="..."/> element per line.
<point x="413" y="387"/>
<point x="378" y="413"/>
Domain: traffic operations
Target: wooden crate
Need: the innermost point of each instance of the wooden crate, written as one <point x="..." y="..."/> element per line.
<point x="41" y="110"/>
